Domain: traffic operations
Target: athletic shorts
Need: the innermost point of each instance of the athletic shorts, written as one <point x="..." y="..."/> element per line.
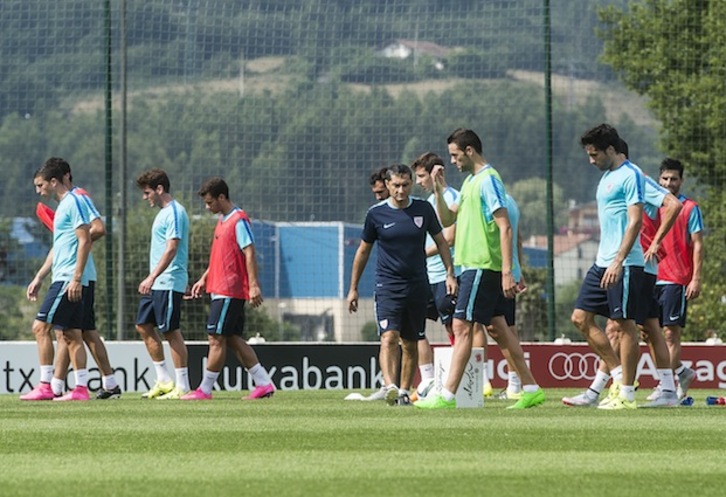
<point x="58" y="310"/>
<point x="89" y="300"/>
<point x="507" y="309"/>
<point x="648" y="306"/>
<point x="226" y="317"/>
<point x="480" y="296"/>
<point x="673" y="304"/>
<point x="404" y="312"/>
<point x="617" y="302"/>
<point x="162" y="309"/>
<point x="441" y="304"/>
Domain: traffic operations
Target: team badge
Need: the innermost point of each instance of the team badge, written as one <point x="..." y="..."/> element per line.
<point x="383" y="323"/>
<point x="418" y="221"/>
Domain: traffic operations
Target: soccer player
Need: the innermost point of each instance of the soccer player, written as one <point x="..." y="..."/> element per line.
<point x="62" y="307"/>
<point x="616" y="277"/>
<point x="652" y="233"/>
<point x="162" y="290"/>
<point x="679" y="273"/>
<point x="231" y="280"/>
<point x="377" y="182"/>
<point x="110" y="388"/>
<point x="440" y="303"/>
<point x="399" y="225"/>
<point x="484" y="252"/>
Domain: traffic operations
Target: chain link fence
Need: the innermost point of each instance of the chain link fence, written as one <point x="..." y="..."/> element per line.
<point x="295" y="103"/>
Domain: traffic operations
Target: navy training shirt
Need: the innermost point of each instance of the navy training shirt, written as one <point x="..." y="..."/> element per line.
<point x="401" y="237"/>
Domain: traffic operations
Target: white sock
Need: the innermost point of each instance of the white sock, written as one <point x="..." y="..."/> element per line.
<point x="46" y="373"/>
<point x="514" y="383"/>
<point x="182" y="379"/>
<point x="162" y="375"/>
<point x="57" y="385"/>
<point x="617" y="374"/>
<point x="210" y="378"/>
<point x="530" y="388"/>
<point x="81" y="377"/>
<point x="598" y="384"/>
<point x="667" y="382"/>
<point x="679" y="370"/>
<point x="628" y="391"/>
<point x="260" y="376"/>
<point x="426" y="371"/>
<point x="109" y="382"/>
<point x="448" y="396"/>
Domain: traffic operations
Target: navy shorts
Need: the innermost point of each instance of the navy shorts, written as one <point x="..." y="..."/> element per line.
<point x="480" y="296"/>
<point x="648" y="306"/>
<point x="404" y="312"/>
<point x="617" y="302"/>
<point x="89" y="300"/>
<point x="58" y="310"/>
<point x="507" y="309"/>
<point x="226" y="317"/>
<point x="439" y="306"/>
<point x="162" y="309"/>
<point x="673" y="304"/>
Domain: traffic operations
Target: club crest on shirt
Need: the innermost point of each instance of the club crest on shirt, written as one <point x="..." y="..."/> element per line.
<point x="383" y="323"/>
<point x="418" y="221"/>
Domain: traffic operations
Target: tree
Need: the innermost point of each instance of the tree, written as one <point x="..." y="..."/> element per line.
<point x="672" y="51"/>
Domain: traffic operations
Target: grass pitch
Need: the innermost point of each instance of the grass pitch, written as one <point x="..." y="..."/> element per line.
<point x="314" y="443"/>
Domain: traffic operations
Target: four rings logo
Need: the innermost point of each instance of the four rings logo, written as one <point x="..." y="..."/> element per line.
<point x="573" y="366"/>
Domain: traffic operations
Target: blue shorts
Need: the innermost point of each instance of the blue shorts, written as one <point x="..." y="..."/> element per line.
<point x="162" y="309"/>
<point x="648" y="306"/>
<point x="404" y="312"/>
<point x="617" y="302"/>
<point x="58" y="310"/>
<point x="673" y="304"/>
<point x="226" y="317"/>
<point x="480" y="296"/>
<point x="440" y="304"/>
<point x="507" y="309"/>
<point x="89" y="300"/>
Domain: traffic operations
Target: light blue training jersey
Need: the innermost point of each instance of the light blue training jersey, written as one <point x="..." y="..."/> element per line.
<point x="69" y="216"/>
<point x="89" y="273"/>
<point x="170" y="223"/>
<point x="434" y="265"/>
<point x="654" y="196"/>
<point x="513" y="211"/>
<point x="617" y="190"/>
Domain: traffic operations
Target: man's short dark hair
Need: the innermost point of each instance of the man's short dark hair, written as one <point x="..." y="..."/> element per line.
<point x="153" y="178"/>
<point x="427" y="161"/>
<point x="463" y="138"/>
<point x="215" y="187"/>
<point x="378" y="175"/>
<point x="601" y="137"/>
<point x="669" y="164"/>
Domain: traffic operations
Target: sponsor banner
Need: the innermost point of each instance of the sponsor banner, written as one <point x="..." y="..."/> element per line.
<point x="354" y="366"/>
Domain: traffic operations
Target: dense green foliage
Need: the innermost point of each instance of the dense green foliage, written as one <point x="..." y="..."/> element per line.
<point x="673" y="51"/>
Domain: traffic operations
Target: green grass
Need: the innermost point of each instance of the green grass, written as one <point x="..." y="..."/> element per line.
<point x="315" y="443"/>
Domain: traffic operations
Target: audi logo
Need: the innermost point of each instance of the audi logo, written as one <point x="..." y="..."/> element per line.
<point x="574" y="366"/>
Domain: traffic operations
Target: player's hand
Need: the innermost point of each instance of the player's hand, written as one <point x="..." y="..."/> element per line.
<point x="33" y="288"/>
<point x="612" y="275"/>
<point x="509" y="286"/>
<point x="437" y="175"/>
<point x="353" y="301"/>
<point x="452" y="285"/>
<point x="255" y="296"/>
<point x="74" y="291"/>
<point x="693" y="290"/>
<point x="651" y="253"/>
<point x="198" y="289"/>
<point x="145" y="286"/>
<point x="522" y="285"/>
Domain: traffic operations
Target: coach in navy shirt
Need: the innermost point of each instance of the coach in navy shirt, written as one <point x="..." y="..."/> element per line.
<point x="399" y="224"/>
